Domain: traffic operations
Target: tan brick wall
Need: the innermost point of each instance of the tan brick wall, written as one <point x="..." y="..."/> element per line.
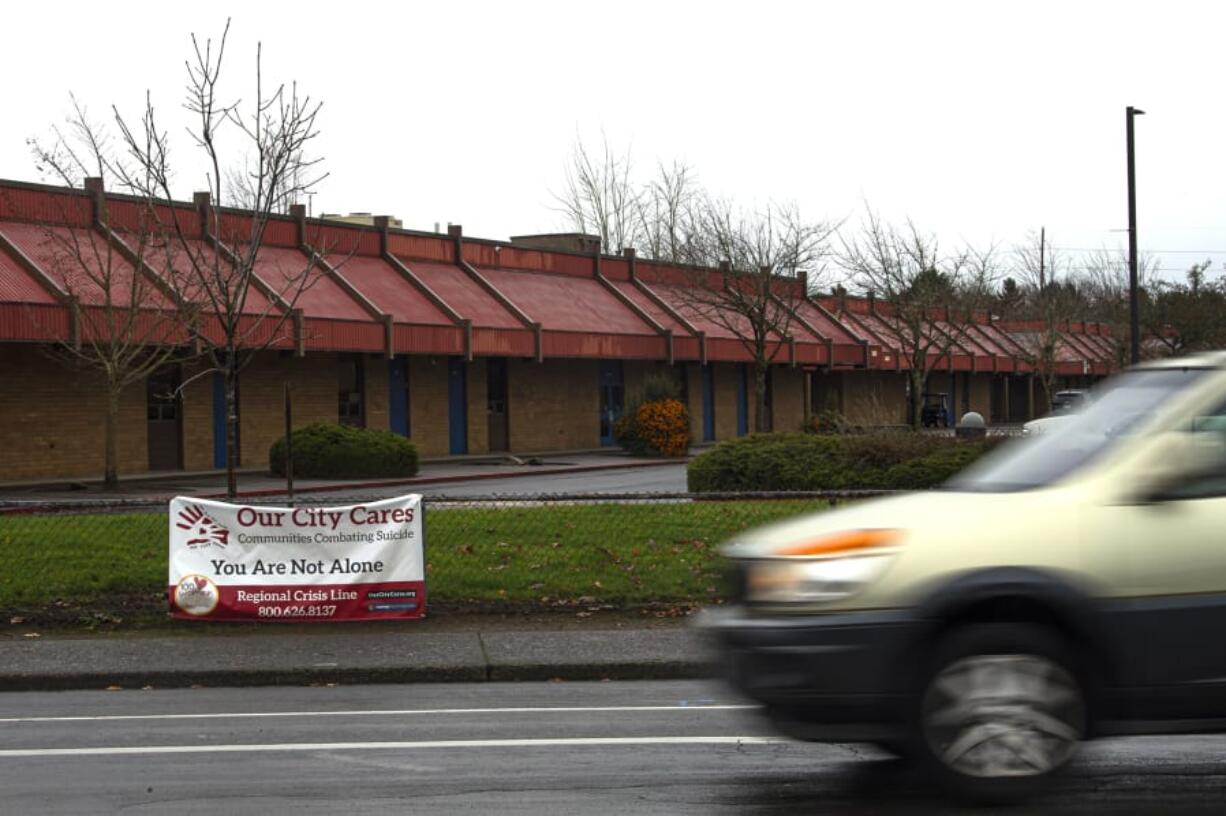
<point x="197" y="418"/>
<point x="261" y="395"/>
<point x="789" y="398"/>
<point x="725" y="401"/>
<point x="980" y="388"/>
<point x="554" y="405"/>
<point x="478" y="414"/>
<point x="428" y="405"/>
<point x="693" y="390"/>
<point x="875" y="397"/>
<point x="54" y="418"/>
<point x="376" y="392"/>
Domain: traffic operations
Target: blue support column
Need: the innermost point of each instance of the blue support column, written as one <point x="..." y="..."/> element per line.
<point x="708" y="403"/>
<point x="398" y="395"/>
<point x="219" y="420"/>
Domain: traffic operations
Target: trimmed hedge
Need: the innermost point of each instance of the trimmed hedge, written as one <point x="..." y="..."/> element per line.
<point x="327" y="451"/>
<point x="802" y="461"/>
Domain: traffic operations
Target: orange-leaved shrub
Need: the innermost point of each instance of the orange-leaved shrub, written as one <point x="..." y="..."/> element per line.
<point x="660" y="427"/>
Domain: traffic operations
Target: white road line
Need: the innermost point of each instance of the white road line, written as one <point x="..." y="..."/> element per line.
<point x="384" y="746"/>
<point x="404" y="712"/>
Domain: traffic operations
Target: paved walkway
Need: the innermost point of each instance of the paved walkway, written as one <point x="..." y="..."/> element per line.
<point x="157" y="487"/>
<point x="410" y="651"/>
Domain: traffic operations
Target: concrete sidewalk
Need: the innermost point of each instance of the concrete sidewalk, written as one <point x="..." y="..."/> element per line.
<point x="258" y="483"/>
<point x="402" y="655"/>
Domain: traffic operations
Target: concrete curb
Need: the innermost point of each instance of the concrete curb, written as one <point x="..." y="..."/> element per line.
<point x="295" y="659"/>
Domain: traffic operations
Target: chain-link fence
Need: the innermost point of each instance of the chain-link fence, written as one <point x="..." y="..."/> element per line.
<point x="108" y="559"/>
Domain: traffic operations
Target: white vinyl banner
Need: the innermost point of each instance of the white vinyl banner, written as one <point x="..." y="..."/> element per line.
<point x="239" y="562"/>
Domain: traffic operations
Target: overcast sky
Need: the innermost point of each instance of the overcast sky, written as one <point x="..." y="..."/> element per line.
<point x="978" y="120"/>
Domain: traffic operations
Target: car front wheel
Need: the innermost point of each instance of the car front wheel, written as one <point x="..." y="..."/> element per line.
<point x="1000" y="709"/>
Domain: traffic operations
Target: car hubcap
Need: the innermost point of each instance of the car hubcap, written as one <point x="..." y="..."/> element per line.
<point x="1003" y="715"/>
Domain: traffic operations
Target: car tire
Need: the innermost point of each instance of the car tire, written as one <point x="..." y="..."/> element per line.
<point x="999" y="710"/>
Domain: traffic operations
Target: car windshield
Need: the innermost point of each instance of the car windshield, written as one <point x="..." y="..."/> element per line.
<point x="1076" y="439"/>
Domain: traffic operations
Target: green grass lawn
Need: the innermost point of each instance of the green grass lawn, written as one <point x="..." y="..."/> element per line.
<point x="608" y="553"/>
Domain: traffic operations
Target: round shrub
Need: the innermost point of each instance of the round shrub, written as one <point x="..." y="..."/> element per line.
<point x="805" y="461"/>
<point x="660" y="427"/>
<point x="327" y="451"/>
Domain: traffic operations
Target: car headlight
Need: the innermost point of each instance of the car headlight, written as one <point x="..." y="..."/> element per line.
<point x="824" y="569"/>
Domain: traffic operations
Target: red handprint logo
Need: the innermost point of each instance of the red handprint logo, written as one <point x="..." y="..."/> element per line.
<point x="204" y="531"/>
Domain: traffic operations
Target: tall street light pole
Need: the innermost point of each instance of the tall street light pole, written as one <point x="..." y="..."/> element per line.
<point x="1134" y="309"/>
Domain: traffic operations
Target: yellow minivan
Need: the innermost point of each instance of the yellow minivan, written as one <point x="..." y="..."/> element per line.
<point x="1068" y="585"/>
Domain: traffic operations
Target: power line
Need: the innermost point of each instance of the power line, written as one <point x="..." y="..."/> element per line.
<point x="1151" y="251"/>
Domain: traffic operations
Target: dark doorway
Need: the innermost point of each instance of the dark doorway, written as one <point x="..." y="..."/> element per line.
<point x="1019" y="399"/>
<point x="496" y="403"/>
<point x="612" y="398"/>
<point x="998" y="400"/>
<point x="164" y="415"/>
<point x="351" y="391"/>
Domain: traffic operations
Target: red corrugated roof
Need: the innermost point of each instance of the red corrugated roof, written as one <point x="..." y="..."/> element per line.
<point x="18" y="286"/>
<point x="565" y="303"/>
<point x="829" y="328"/>
<point x="649" y="306"/>
<point x="387" y="289"/>
<point x="172" y="264"/>
<point x="280" y="268"/>
<point x="698" y="314"/>
<point x="80" y="261"/>
<point x="986" y="340"/>
<point x="882" y="330"/>
<point x="463" y="294"/>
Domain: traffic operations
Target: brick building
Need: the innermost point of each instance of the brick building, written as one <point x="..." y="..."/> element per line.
<point x="466" y="346"/>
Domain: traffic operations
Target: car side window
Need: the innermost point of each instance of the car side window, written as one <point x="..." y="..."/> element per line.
<point x="1211" y="481"/>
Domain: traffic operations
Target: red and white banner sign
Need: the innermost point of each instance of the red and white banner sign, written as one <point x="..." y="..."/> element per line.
<point x="237" y="562"/>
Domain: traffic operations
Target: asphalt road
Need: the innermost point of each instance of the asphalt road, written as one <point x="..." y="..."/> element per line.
<point x="591" y="748"/>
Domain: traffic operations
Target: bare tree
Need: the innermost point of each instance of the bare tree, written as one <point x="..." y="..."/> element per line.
<point x="234" y="314"/>
<point x="766" y="258"/>
<point x="921" y="287"/>
<point x="600" y="196"/>
<point x="128" y="324"/>
<point x="1188" y="316"/>
<point x="1050" y="296"/>
<point x="666" y="207"/>
<point x="1105" y="287"/>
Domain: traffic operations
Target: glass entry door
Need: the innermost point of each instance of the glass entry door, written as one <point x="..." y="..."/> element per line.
<point x="612" y="399"/>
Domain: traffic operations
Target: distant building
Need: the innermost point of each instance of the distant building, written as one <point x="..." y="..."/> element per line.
<point x="364" y="219"/>
<point x="464" y="345"/>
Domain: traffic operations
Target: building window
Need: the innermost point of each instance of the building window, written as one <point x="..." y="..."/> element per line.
<point x="351" y="387"/>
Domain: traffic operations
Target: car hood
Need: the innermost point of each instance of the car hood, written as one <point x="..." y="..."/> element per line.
<point x="921" y="514"/>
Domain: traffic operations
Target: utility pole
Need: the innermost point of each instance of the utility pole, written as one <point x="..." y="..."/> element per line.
<point x="1042" y="264"/>
<point x="1134" y="307"/>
